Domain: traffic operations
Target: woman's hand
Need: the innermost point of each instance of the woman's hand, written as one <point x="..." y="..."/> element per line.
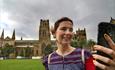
<point x="111" y="52"/>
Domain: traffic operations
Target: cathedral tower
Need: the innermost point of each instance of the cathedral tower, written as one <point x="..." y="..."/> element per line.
<point x="44" y="30"/>
<point x="81" y="34"/>
<point x="44" y="37"/>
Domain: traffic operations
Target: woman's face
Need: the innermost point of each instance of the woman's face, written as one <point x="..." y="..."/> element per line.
<point x="64" y="32"/>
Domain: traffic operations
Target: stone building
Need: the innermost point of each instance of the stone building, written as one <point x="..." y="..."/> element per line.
<point x="38" y="47"/>
<point x="80" y="35"/>
<point x="44" y="38"/>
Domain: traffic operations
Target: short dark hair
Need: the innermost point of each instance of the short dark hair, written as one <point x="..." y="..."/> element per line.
<point x="61" y="20"/>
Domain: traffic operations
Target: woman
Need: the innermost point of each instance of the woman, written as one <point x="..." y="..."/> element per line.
<point x="67" y="57"/>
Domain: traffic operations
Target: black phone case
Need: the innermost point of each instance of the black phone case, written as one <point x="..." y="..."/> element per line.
<point x="109" y="29"/>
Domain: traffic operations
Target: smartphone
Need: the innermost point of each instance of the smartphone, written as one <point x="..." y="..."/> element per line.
<point x="109" y="29"/>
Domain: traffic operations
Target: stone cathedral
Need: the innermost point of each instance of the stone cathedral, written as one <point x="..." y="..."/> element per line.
<point x="37" y="46"/>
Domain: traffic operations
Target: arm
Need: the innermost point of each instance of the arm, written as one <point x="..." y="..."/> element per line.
<point x="45" y="62"/>
<point x="89" y="65"/>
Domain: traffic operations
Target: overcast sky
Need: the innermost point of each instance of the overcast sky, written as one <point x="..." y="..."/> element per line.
<point x="24" y="15"/>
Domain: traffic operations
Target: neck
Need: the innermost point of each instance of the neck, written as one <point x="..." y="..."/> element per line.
<point x="64" y="49"/>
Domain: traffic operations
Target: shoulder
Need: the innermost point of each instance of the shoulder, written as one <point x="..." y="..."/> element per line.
<point x="77" y="50"/>
<point x="87" y="53"/>
<point x="45" y="58"/>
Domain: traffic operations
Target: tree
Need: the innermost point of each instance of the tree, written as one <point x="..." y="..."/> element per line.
<point x="90" y="44"/>
<point x="7" y="50"/>
<point x="74" y="43"/>
<point x="83" y="43"/>
<point x="48" y="49"/>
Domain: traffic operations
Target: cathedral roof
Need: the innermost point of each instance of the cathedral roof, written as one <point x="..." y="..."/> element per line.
<point x="26" y="42"/>
<point x="7" y="38"/>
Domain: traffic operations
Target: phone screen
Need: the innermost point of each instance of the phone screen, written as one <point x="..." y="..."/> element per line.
<point x="109" y="29"/>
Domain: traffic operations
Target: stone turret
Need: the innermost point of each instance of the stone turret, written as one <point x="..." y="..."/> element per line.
<point x="2" y="35"/>
<point x="13" y="35"/>
<point x="112" y="21"/>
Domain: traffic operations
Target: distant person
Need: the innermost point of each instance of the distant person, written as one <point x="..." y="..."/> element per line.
<point x="67" y="57"/>
<point x="111" y="52"/>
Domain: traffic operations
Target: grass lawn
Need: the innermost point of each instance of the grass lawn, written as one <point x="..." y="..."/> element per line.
<point x="21" y="64"/>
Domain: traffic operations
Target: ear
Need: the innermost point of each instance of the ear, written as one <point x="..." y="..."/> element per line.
<point x="52" y="31"/>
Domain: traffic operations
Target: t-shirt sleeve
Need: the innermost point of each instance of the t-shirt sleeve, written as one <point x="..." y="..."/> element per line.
<point x="45" y="62"/>
<point x="87" y="54"/>
<point x="89" y="65"/>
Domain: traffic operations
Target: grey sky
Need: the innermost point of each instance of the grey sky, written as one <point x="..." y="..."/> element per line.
<point x="24" y="15"/>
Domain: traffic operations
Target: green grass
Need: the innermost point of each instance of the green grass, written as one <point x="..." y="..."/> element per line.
<point x="21" y="64"/>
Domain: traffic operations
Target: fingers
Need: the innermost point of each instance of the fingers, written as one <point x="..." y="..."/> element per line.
<point x="105" y="50"/>
<point x="104" y="59"/>
<point x="110" y="42"/>
<point x="99" y="65"/>
<point x="108" y="51"/>
<point x="103" y="67"/>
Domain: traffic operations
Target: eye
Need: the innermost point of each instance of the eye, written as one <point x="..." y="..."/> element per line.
<point x="64" y="29"/>
<point x="71" y="29"/>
